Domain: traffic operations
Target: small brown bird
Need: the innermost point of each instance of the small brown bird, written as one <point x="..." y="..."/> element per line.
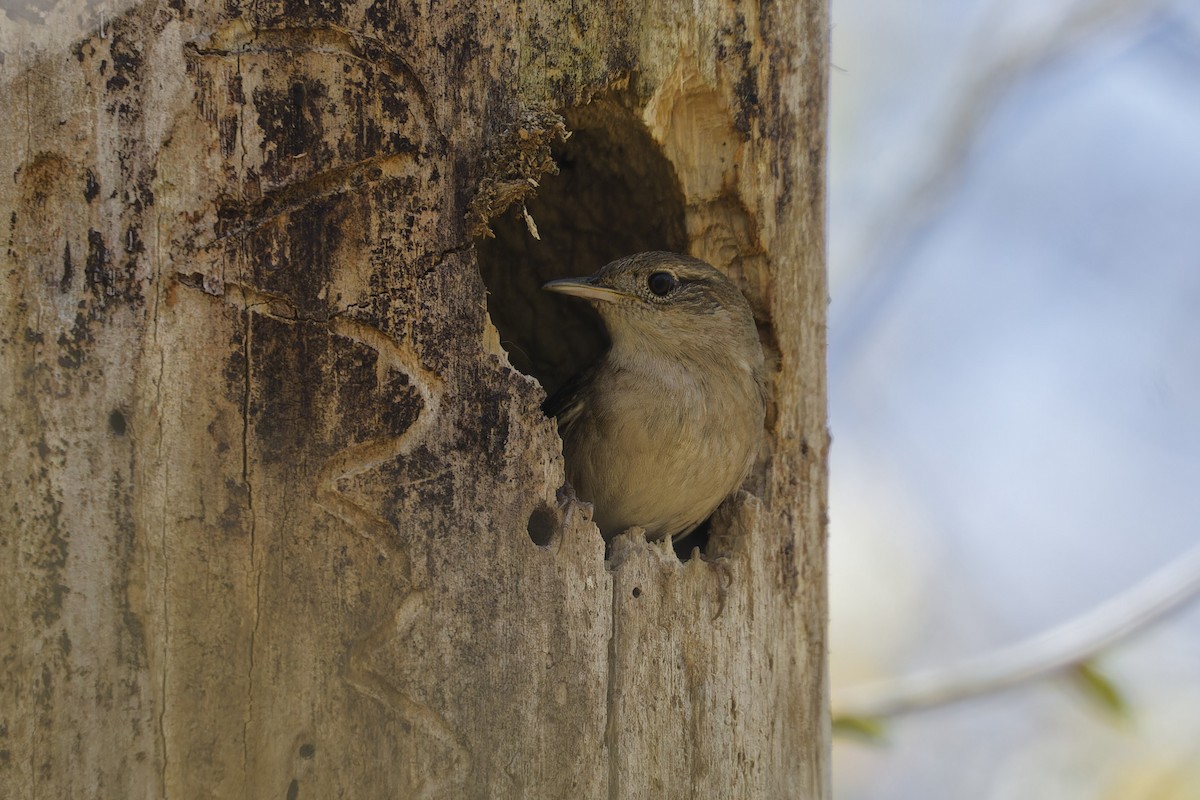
<point x="667" y="423"/>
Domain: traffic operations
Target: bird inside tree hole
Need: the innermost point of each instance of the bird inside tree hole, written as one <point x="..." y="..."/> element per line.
<point x="615" y="194"/>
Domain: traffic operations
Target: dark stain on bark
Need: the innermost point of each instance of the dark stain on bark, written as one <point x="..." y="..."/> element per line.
<point x="234" y="369"/>
<point x="292" y="123"/>
<point x="391" y="131"/>
<point x="68" y="273"/>
<point x="227" y="130"/>
<point x="97" y="274"/>
<point x="783" y="124"/>
<point x="131" y="635"/>
<point x="389" y="17"/>
<point x="75" y="348"/>
<point x="133" y="243"/>
<point x="486" y="413"/>
<point x="293" y="256"/>
<point x="91" y="187"/>
<point x="50" y="560"/>
<point x="236" y="89"/>
<point x="303" y="12"/>
<point x="301" y="369"/>
<point x="733" y="44"/>
<point x="286" y="368"/>
<point x="125" y="49"/>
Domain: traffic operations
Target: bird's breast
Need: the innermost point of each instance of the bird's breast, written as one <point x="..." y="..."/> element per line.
<point x="661" y="447"/>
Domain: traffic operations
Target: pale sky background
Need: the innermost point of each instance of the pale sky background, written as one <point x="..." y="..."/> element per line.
<point x="1015" y="379"/>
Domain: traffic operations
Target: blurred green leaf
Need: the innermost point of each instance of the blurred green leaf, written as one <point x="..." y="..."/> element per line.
<point x="1100" y="690"/>
<point x="867" y="729"/>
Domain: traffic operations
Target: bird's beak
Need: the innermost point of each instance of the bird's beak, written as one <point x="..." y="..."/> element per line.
<point x="583" y="287"/>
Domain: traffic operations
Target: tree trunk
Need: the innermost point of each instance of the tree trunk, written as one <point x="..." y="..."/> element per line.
<point x="279" y="518"/>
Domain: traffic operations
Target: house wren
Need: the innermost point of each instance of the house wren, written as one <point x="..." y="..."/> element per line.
<point x="667" y="423"/>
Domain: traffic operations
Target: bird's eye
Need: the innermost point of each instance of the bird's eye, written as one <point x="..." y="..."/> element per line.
<point x="661" y="283"/>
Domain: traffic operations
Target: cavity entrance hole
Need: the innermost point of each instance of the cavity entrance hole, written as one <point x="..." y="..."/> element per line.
<point x="615" y="194"/>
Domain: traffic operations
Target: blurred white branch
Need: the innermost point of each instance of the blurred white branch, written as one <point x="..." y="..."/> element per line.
<point x="1043" y="655"/>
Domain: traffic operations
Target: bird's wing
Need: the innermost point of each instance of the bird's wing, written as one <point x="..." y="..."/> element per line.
<point x="567" y="403"/>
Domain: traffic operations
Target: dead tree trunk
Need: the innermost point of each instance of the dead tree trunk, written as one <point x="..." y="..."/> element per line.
<point x="279" y="518"/>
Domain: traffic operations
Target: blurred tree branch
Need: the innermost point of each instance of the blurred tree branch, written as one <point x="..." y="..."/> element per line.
<point x="1054" y="651"/>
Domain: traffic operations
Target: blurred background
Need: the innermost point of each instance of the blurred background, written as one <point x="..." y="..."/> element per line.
<point x="1014" y="229"/>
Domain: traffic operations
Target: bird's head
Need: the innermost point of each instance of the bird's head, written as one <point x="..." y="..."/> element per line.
<point x="673" y="302"/>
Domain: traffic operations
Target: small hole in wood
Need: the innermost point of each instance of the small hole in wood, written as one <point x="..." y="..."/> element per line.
<point x="543" y="525"/>
<point x="116" y="422"/>
<point x="637" y="591"/>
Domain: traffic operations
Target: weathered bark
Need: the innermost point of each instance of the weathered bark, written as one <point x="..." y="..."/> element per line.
<point x="279" y="518"/>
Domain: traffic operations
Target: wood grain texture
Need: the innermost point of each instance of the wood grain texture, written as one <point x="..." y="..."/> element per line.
<point x="272" y="488"/>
